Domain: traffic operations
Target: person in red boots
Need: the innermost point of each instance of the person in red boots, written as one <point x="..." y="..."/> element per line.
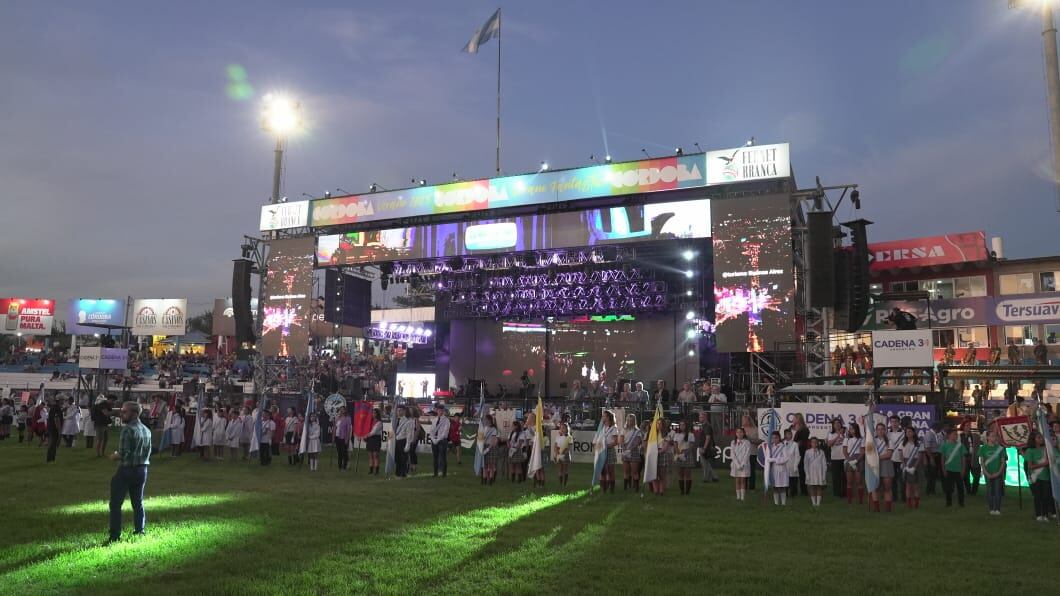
<point x="914" y="461"/>
<point x="854" y="454"/>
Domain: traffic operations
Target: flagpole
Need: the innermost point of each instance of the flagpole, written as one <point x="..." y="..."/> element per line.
<point x="498" y="91"/>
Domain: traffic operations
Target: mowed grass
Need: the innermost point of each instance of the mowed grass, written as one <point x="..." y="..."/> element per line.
<point x="224" y="528"/>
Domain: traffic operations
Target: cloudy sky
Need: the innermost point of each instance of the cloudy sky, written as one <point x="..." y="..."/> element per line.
<point x="127" y="167"/>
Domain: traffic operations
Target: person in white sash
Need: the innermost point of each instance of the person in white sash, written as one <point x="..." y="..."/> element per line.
<point x="175" y="427"/>
<point x="312" y="442"/>
<point x="993" y="459"/>
<point x="220" y="426"/>
<point x="665" y="457"/>
<point x="815" y="464"/>
<point x="516" y="452"/>
<point x="883" y="489"/>
<point x="610" y="439"/>
<point x="1037" y="459"/>
<point x="248" y="433"/>
<point x="777" y="456"/>
<point x="71" y="420"/>
<point x="205" y="437"/>
<point x="793" y="463"/>
<point x="835" y="440"/>
<point x="88" y="428"/>
<point x="685" y="448"/>
<point x="854" y="460"/>
<point x="895" y="434"/>
<point x="740" y="467"/>
<point x="914" y="460"/>
<point x="233" y="434"/>
<point x="490" y="449"/>
<point x="561" y="451"/>
<point x="632" y="452"/>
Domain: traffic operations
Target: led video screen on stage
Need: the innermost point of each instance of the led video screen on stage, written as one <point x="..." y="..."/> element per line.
<point x="497" y="352"/>
<point x="754" y="286"/>
<point x="613" y="225"/>
<point x="289" y="283"/>
<point x="609" y="349"/>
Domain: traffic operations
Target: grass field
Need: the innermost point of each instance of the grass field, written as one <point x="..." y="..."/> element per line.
<point x="240" y="529"/>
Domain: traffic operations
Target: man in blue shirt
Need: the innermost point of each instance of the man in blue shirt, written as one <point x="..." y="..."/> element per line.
<point x="133" y="457"/>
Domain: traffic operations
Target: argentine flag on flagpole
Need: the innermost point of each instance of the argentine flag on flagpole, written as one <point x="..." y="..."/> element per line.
<point x="872" y="454"/>
<point x="767" y="440"/>
<point x="535" y="455"/>
<point x="480" y="444"/>
<point x="651" y="451"/>
<point x="490" y="29"/>
<point x="391" y="442"/>
<point x="305" y="423"/>
<point x="599" y="453"/>
<point x="1050" y="450"/>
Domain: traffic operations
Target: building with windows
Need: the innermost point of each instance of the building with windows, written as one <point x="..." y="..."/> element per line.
<point x="1028" y="303"/>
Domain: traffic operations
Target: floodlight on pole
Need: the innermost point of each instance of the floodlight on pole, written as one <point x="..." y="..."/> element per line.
<point x="282" y="117"/>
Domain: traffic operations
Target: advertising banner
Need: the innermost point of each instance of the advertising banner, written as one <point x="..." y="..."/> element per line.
<point x="957" y="312"/>
<point x="159" y="316"/>
<point x="85" y="312"/>
<point x="818" y="417"/>
<point x="282" y="216"/>
<point x="635" y="177"/>
<point x="933" y="250"/>
<point x="754" y="284"/>
<point x="902" y="349"/>
<point x="27" y="316"/>
<point x="224" y="322"/>
<point x="288" y="285"/>
<point x="592" y="227"/>
<point x="1026" y="309"/>
<point x="922" y="415"/>
<point x="744" y="164"/>
<point x="103" y="358"/>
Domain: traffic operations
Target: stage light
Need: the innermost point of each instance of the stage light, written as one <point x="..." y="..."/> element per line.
<point x="688" y="255"/>
<point x="855" y="198"/>
<point x="688" y="292"/>
<point x="607" y="158"/>
<point x="427" y="333"/>
<point x="679" y="151"/>
<point x="373" y="187"/>
<point x="280" y="114"/>
<point x="691" y="334"/>
<point x="544" y="166"/>
<point x="440" y="286"/>
<point x="688" y="315"/>
<point x="691" y="353"/>
<point x="423" y="182"/>
<point x="750" y="142"/>
<point x="688" y="273"/>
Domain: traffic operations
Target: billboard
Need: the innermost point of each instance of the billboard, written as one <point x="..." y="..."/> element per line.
<point x="27" y="316"/>
<point x="282" y="216"/>
<point x="288" y="286"/>
<point x="592" y="227"/>
<point x="902" y="349"/>
<point x="746" y="164"/>
<point x="85" y="312"/>
<point x="224" y="322"/>
<point x="932" y="250"/>
<point x="159" y="316"/>
<point x="1026" y="309"/>
<point x="754" y="285"/>
<point x="634" y="177"/>
<point x="952" y="312"/>
<point x="103" y="358"/>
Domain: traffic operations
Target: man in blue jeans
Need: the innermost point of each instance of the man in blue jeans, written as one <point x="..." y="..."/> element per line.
<point x="133" y="457"/>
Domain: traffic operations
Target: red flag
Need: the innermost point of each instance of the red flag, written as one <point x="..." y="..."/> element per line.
<point x="1013" y="431"/>
<point x="362" y="419"/>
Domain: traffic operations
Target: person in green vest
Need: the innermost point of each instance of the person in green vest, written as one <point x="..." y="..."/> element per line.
<point x="1038" y="476"/>
<point x="992" y="458"/>
<point x="954" y="467"/>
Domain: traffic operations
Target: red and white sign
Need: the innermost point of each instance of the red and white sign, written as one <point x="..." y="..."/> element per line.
<point x="934" y="250"/>
<point x="27" y="316"/>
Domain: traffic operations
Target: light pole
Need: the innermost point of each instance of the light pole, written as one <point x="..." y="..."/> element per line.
<point x="1052" y="79"/>
<point x="281" y="116"/>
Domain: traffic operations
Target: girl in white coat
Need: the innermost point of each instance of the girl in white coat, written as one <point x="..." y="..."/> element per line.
<point x="777" y="458"/>
<point x="740" y="468"/>
<point x="312" y="442"/>
<point x="815" y="464"/>
<point x="71" y="422"/>
<point x="175" y="425"/>
<point x="793" y="463"/>
<point x="205" y="433"/>
<point x="233" y="434"/>
<point x="220" y="434"/>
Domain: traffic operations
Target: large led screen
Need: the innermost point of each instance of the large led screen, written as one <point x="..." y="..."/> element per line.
<point x="611" y="350"/>
<point x="754" y="287"/>
<point x="84" y="313"/>
<point x="613" y="225"/>
<point x="289" y="283"/>
<point x="498" y="352"/>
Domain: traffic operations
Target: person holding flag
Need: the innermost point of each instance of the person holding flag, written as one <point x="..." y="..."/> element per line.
<point x="882" y="445"/>
<point x="490" y="450"/>
<point x="535" y="468"/>
<point x="391" y="443"/>
<point x="777" y="464"/>
<point x="854" y="456"/>
<point x="603" y="443"/>
<point x="914" y="459"/>
<point x="1046" y="463"/>
<point x="480" y="443"/>
<point x="954" y="466"/>
<point x="311" y="442"/>
<point x="632" y="452"/>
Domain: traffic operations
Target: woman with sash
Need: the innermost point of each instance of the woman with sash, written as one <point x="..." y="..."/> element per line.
<point x="992" y="461"/>
<point x="685" y="455"/>
<point x="750" y="430"/>
<point x="854" y="462"/>
<point x="913" y="461"/>
<point x="954" y="467"/>
<point x="665" y="457"/>
<point x="815" y="464"/>
<point x="883" y="450"/>
<point x="777" y="458"/>
<point x="1038" y="475"/>
<point x="490" y="450"/>
<point x="561" y="451"/>
<point x="312" y="441"/>
<point x="609" y="442"/>
<point x="516" y="452"/>
<point x="835" y="439"/>
<point x="740" y="468"/>
<point x="631" y="439"/>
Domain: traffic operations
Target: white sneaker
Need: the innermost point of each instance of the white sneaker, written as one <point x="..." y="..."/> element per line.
<point x="1040" y="518"/>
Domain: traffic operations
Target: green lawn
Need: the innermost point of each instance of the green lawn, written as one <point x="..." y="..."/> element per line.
<point x="235" y="528"/>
